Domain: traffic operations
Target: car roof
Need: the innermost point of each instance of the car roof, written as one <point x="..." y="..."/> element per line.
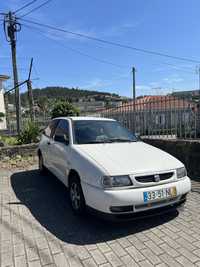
<point x="85" y="118"/>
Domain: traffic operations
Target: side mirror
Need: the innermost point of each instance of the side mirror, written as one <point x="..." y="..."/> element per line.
<point x="61" y="139"/>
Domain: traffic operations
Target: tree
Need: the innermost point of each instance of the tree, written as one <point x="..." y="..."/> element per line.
<point x="2" y="115"/>
<point x="64" y="108"/>
<point x="55" y="92"/>
<point x="43" y="104"/>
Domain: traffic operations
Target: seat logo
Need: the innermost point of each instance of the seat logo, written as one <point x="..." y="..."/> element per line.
<point x="157" y="178"/>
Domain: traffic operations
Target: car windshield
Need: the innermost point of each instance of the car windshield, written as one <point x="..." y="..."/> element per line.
<point x="100" y="131"/>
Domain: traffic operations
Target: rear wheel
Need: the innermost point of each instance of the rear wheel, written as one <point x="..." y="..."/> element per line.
<point x="76" y="196"/>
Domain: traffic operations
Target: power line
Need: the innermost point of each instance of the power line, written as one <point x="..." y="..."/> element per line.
<point x="26" y="5"/>
<point x="76" y="51"/>
<point x="180" y="68"/>
<point x="79" y="52"/>
<point x="112" y="43"/>
<point x="36" y="8"/>
<point x="185" y="69"/>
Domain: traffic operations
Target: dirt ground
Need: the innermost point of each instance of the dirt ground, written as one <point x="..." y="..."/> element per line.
<point x="18" y="162"/>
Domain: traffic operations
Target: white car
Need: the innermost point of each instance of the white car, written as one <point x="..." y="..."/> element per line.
<point x="108" y="169"/>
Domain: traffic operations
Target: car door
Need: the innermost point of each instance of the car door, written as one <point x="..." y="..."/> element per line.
<point x="60" y="150"/>
<point x="46" y="141"/>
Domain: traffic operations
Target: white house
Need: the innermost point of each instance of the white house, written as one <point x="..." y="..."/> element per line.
<point x="2" y="103"/>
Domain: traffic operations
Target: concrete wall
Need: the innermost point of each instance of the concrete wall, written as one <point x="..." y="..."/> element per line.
<point x="187" y="151"/>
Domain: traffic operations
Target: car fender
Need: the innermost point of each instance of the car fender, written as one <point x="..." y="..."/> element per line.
<point x="88" y="169"/>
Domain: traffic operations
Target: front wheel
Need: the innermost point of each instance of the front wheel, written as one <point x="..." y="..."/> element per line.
<point x="77" y="199"/>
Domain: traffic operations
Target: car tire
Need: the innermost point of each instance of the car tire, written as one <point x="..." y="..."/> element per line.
<point x="76" y="196"/>
<point x="41" y="166"/>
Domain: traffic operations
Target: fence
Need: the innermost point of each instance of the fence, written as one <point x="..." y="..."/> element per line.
<point x="41" y="118"/>
<point x="150" y="116"/>
<point x="158" y="116"/>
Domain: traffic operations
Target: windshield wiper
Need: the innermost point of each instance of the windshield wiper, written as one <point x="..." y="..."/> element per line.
<point x="99" y="141"/>
<point x="121" y="140"/>
<point x="111" y="140"/>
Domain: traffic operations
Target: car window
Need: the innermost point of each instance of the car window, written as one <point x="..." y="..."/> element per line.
<point x="62" y="129"/>
<point x="49" y="131"/>
<point x="91" y="131"/>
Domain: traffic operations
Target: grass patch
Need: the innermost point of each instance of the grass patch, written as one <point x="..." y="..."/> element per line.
<point x="9" y="140"/>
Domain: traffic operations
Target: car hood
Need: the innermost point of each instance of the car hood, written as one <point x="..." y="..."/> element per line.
<point x="129" y="158"/>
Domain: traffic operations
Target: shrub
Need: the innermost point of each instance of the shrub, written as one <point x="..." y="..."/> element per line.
<point x="29" y="134"/>
<point x="64" y="108"/>
<point x="9" y="140"/>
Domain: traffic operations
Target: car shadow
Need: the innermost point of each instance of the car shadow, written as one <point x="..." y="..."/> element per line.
<point x="47" y="199"/>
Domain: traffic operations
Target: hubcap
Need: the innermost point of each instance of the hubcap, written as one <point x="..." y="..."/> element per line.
<point x="75" y="196"/>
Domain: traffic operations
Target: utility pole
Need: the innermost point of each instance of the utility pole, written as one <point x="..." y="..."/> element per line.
<point x="198" y="70"/>
<point x="134" y="99"/>
<point x="198" y="109"/>
<point x="12" y="28"/>
<point x="7" y="111"/>
<point x="133" y="71"/>
<point x="30" y="93"/>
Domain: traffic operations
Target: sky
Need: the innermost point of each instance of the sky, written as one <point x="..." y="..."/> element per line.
<point x="171" y="27"/>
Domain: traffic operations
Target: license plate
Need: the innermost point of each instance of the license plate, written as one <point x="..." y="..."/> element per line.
<point x="160" y="194"/>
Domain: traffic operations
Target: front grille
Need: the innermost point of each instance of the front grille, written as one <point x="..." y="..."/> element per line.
<point x="152" y="178"/>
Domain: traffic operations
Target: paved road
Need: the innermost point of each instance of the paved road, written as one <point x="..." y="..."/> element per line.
<point x="37" y="228"/>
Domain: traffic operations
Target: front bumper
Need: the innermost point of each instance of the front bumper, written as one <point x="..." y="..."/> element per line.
<point x="102" y="200"/>
<point x="117" y="217"/>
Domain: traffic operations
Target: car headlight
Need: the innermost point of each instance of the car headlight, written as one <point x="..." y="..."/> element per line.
<point x="116" y="181"/>
<point x="181" y="172"/>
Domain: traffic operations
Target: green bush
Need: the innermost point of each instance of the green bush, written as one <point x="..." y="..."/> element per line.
<point x="29" y="134"/>
<point x="9" y="140"/>
<point x="64" y="108"/>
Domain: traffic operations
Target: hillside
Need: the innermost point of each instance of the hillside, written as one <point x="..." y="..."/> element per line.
<point x="71" y="94"/>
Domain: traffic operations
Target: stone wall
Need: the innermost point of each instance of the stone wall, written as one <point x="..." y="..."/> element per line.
<point x="187" y="151"/>
<point x="22" y="150"/>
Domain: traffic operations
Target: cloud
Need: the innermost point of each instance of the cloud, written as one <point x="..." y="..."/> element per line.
<point x="154" y="84"/>
<point x="159" y="87"/>
<point x="13" y="4"/>
<point x="96" y="83"/>
<point x="169" y="81"/>
<point x="62" y="36"/>
<point x="110" y="31"/>
<point x="143" y="88"/>
<point x="148" y="90"/>
<point x="179" y="67"/>
<point x="119" y="29"/>
<point x="172" y="80"/>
